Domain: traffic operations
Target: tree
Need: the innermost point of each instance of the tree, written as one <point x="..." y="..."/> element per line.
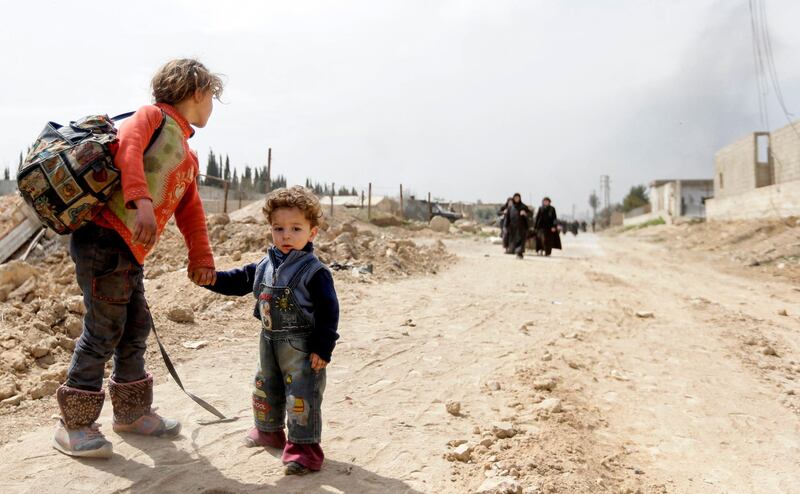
<point x="235" y="180"/>
<point x="637" y="197"/>
<point x="212" y="169"/>
<point x="247" y="178"/>
<point x="227" y="173"/>
<point x="594" y="202"/>
<point x="6" y="174"/>
<point x="343" y="191"/>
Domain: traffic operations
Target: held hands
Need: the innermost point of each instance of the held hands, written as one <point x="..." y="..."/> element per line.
<point x="144" y="230"/>
<point x="202" y="276"/>
<point x="317" y="364"/>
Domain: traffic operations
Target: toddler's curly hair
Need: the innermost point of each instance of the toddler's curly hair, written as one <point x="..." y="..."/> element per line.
<point x="294" y="197"/>
<point x="178" y="79"/>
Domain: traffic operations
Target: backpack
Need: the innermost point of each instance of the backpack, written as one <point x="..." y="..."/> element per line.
<point x="69" y="173"/>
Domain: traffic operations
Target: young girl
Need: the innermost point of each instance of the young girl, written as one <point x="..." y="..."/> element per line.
<point x="299" y="312"/>
<point x="158" y="171"/>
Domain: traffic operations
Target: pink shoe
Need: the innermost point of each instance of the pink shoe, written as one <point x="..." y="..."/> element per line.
<point x="260" y="439"/>
<point x="133" y="413"/>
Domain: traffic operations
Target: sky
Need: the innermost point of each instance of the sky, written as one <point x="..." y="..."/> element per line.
<point x="468" y="100"/>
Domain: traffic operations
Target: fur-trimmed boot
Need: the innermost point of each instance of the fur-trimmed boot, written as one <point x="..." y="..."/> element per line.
<point x="77" y="434"/>
<point x="132" y="411"/>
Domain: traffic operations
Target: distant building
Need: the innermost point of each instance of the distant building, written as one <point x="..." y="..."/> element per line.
<point x="673" y="200"/>
<point x="758" y="176"/>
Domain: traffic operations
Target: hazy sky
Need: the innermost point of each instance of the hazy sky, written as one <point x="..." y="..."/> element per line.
<point x="465" y="99"/>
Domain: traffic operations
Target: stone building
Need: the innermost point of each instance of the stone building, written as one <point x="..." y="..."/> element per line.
<point x="758" y="176"/>
<point x="673" y="200"/>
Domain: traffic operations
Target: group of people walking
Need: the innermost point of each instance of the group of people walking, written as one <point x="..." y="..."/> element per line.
<point x="520" y="227"/>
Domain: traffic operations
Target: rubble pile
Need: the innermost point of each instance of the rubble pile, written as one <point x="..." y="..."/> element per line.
<point x="41" y="306"/>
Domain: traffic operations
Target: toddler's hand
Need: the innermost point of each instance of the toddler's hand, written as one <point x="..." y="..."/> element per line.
<point x="317" y="364"/>
<point x="203" y="276"/>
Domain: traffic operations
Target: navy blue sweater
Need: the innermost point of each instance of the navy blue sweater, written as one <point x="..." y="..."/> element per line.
<point x="240" y="282"/>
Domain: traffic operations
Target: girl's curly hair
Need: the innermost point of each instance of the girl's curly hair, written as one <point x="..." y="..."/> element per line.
<point x="178" y="79"/>
<point x="294" y="197"/>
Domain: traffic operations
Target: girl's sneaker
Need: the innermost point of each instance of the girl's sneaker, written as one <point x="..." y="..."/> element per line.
<point x="260" y="439"/>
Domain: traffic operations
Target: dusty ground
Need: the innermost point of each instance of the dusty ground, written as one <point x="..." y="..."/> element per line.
<point x="619" y="365"/>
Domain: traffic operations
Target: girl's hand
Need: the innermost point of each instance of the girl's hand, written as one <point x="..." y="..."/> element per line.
<point x="144" y="230"/>
<point x="317" y="364"/>
<point x="203" y="276"/>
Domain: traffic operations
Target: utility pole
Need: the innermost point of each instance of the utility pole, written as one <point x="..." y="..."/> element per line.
<point x="268" y="185"/>
<point x="605" y="190"/>
<point x="402" y="211"/>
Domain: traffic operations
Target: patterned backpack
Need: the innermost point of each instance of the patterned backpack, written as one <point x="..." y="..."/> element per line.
<point x="69" y="174"/>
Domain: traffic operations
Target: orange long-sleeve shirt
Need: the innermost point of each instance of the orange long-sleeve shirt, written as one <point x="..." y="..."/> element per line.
<point x="166" y="175"/>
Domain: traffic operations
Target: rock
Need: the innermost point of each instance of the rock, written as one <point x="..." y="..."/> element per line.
<point x="181" y="314"/>
<point x="783" y="312"/>
<point x="14" y="359"/>
<point x="42" y="347"/>
<point x="493" y="385"/>
<point x="453" y="408"/>
<point x="23" y="290"/>
<point x="13" y="401"/>
<point x="236" y="256"/>
<point x="56" y="373"/>
<point x="487" y="441"/>
<point x="499" y="485"/>
<point x="440" y="224"/>
<point x="547" y="356"/>
<point x="44" y="388"/>
<point x="456" y="442"/>
<point x="552" y="405"/>
<point x="350" y="227"/>
<point x="15" y="273"/>
<point x="73" y="326"/>
<point x="345" y="238"/>
<point x="154" y="273"/>
<point x="195" y="345"/>
<point x="643" y="314"/>
<point x="8" y="387"/>
<point x="769" y="351"/>
<point x="218" y="219"/>
<point x="504" y="430"/>
<point x="75" y="305"/>
<point x="544" y="384"/>
<point x="461" y="453"/>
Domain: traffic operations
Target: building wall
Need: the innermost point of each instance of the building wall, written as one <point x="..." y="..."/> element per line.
<point x="786" y="153"/>
<point x="773" y="201"/>
<point x="692" y="195"/>
<point x="734" y="167"/>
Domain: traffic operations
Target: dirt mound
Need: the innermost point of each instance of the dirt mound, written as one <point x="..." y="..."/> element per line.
<point x="769" y="246"/>
<point x="41" y="305"/>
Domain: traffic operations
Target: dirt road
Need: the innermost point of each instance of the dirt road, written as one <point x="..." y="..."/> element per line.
<point x="672" y="376"/>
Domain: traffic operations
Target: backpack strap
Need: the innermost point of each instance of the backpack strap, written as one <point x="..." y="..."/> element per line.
<point x="123" y="116"/>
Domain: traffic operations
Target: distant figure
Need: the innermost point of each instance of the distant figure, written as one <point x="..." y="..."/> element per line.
<point x="583" y="226"/>
<point x="546" y="226"/>
<point x="517" y="220"/>
<point x="502" y="222"/>
<point x="573" y="227"/>
<point x="593" y="225"/>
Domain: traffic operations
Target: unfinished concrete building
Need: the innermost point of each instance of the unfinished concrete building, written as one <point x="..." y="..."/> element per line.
<point x="758" y="176"/>
<point x="672" y="201"/>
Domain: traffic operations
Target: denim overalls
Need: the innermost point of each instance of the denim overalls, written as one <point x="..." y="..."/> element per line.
<point x="285" y="384"/>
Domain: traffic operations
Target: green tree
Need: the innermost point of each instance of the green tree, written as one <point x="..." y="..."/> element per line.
<point x="637" y="197"/>
<point x="212" y="169"/>
<point x="247" y="178"/>
<point x="227" y="173"/>
<point x="594" y="203"/>
<point x="6" y="174"/>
